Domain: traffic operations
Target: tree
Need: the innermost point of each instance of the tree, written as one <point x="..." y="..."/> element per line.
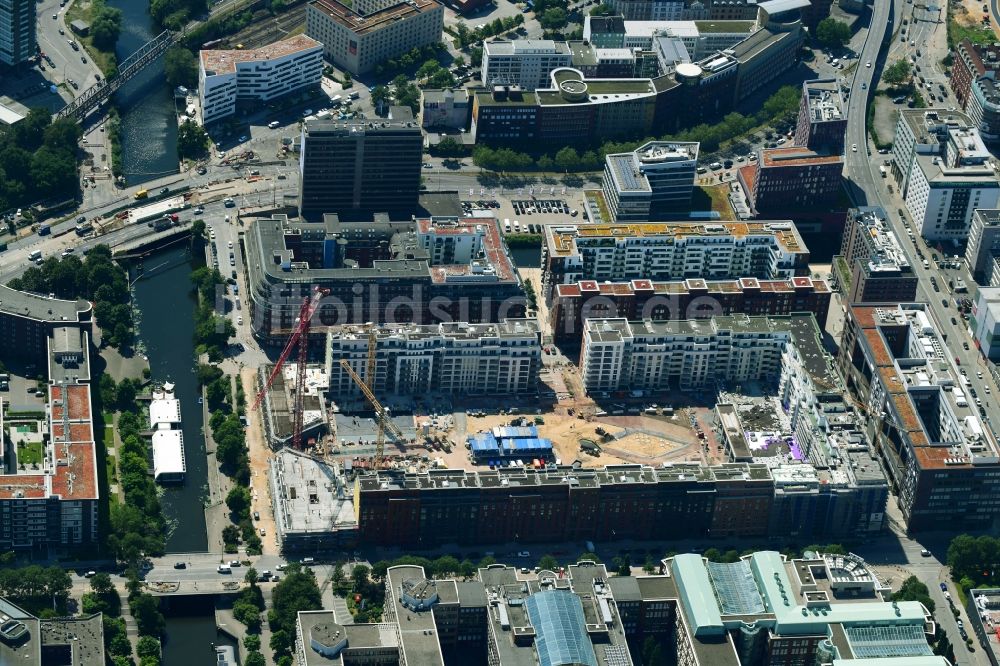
<point x="251" y="642"/>
<point x="296" y="592"/>
<point x="833" y="33"/>
<point x="180" y="67"/>
<point x="898" y="73"/>
<point x="251" y="577"/>
<point x="148" y="646"/>
<point x="192" y="140"/>
<point x="914" y="590"/>
<point x="359" y="577"/>
<point x="602" y="10"/>
<point x="146" y="611"/>
<point x="554" y="19"/>
<point x="548" y="563"/>
<point x="246" y="612"/>
<point x="255" y="658"/>
<point x="105" y="25"/>
<point x="567" y="159"/>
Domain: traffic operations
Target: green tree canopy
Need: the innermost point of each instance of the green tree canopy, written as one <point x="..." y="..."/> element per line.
<point x="898" y="73"/>
<point x="192" y="140"/>
<point x="105" y="25"/>
<point x="831" y="32"/>
<point x="180" y="67"/>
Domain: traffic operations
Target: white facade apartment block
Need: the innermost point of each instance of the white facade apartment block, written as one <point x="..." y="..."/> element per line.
<point x="256" y="75"/>
<point x="525" y="62"/>
<point x="648" y="355"/>
<point x="456" y="358"/>
<point x="358" y="41"/>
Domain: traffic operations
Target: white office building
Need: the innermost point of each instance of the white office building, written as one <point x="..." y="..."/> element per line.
<point x="456" y="358"/>
<point x="525" y="62"/>
<point x="944" y="172"/>
<point x="259" y="75"/>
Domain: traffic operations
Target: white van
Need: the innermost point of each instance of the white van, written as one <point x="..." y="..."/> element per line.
<point x="273" y="124"/>
<point x="35" y="256"/>
<point x="225" y="569"/>
<point x="926" y="264"/>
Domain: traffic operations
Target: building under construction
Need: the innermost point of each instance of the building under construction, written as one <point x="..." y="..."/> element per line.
<point x="278" y="402"/>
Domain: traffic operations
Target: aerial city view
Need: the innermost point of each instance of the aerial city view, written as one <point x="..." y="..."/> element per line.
<point x="499" y="333"/>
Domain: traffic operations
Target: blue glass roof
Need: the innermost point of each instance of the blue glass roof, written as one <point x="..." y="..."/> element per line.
<point x="560" y="629"/>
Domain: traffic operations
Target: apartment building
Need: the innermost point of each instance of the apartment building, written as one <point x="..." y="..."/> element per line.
<point x="455" y="358"/>
<point x="526" y="63"/>
<point x="942" y="462"/>
<point x="649" y="182"/>
<point x="983" y="248"/>
<point x="944" y="172"/>
<point x="27" y="321"/>
<point x="878" y="269"/>
<point x="50" y="503"/>
<point x="256" y="76"/>
<point x="973" y="78"/>
<point x="359" y="167"/>
<point x="650" y="355"/>
<point x="18" y="41"/>
<point x="693" y="298"/>
<point x="357" y="39"/>
<point x="822" y="121"/>
<point x="29" y="640"/>
<point x="671" y="251"/>
<point x="378" y="271"/>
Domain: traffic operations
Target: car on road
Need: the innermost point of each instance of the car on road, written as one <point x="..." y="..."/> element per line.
<point x="239" y="320"/>
<point x="524" y="553"/>
<point x="281" y="567"/>
<point x="90" y="574"/>
<point x="925" y="553"/>
<point x="164" y="190"/>
<point x="61" y="31"/>
<point x="273" y="124"/>
<point x="256" y="515"/>
<point x="868" y="64"/>
<point x="201" y="171"/>
<point x="234" y="563"/>
<point x="944" y="587"/>
<point x="307" y="112"/>
<point x="854" y="147"/>
<point x="55" y="16"/>
<point x="200" y="210"/>
<point x="954" y="321"/>
<point x="965" y="345"/>
<point x="304" y="560"/>
<point x="180" y="565"/>
<point x="83" y="59"/>
<point x="243" y="138"/>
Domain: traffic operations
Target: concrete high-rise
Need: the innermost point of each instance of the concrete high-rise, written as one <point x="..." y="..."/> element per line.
<point x="17" y="31"/>
<point x="358" y="167"/>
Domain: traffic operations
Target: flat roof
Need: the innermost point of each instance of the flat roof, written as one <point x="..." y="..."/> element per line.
<point x="225" y="61"/>
<point x="41" y="308"/>
<point x="588" y="288"/>
<point x="562" y="240"/>
<point x="417" y="629"/>
<point x="310" y="495"/>
<point x="361" y="24"/>
<point x="168" y="453"/>
<point x="795" y="156"/>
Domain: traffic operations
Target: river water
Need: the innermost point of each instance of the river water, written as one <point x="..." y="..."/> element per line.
<point x="146" y="105"/>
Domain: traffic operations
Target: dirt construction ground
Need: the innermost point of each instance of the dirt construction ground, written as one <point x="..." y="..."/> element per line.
<point x="649" y="440"/>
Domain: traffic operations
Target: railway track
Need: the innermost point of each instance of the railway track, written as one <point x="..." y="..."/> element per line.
<point x="268" y="28"/>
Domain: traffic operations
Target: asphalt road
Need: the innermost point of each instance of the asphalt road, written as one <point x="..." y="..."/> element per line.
<point x="865" y="188"/>
<point x="67" y="62"/>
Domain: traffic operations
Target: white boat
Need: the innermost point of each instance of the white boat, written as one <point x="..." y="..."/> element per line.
<point x="169" y="465"/>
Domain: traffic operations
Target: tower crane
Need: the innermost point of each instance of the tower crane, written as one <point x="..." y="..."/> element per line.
<point x="300" y="336"/>
<point x="382" y="419"/>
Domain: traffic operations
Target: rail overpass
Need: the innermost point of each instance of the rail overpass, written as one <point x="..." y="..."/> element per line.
<point x="96" y="95"/>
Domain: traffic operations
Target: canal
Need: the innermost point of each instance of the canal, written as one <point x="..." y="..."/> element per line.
<point x="146" y="103"/>
<point x="166" y="304"/>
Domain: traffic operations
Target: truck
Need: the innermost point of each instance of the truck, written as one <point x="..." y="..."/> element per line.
<point x="960" y="285"/>
<point x="354" y="95"/>
<point x="883" y="171"/>
<point x="44" y="230"/>
<point x="141" y="194"/>
<point x="35" y="255"/>
<point x="83" y="228"/>
<point x="336" y="100"/>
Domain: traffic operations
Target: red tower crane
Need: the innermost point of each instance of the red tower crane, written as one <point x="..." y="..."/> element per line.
<point x="300" y="335"/>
